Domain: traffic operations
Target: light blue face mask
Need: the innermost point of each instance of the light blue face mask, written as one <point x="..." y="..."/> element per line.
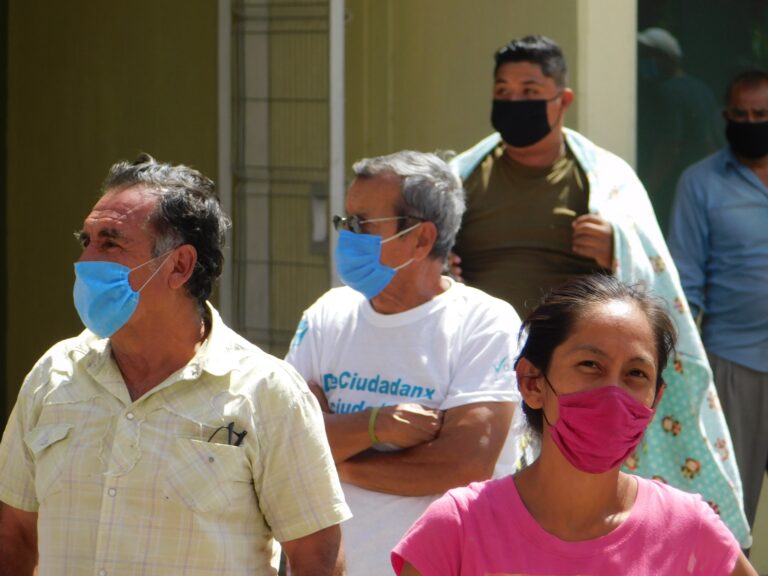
<point x="358" y="262"/>
<point x="103" y="295"/>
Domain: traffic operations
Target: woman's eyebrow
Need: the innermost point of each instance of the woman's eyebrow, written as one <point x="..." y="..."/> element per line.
<point x="599" y="352"/>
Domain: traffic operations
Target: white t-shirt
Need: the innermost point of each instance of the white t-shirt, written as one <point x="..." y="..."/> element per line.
<point x="456" y="349"/>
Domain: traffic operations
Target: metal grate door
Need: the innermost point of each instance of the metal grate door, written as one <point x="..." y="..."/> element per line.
<point x="281" y="168"/>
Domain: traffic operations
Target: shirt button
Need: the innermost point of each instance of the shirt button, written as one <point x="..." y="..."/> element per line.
<point x="130" y="416"/>
<point x="111" y="491"/>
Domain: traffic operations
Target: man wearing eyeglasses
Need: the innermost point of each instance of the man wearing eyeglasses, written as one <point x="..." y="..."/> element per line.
<point x="158" y="441"/>
<point x="546" y="204"/>
<point x="413" y="370"/>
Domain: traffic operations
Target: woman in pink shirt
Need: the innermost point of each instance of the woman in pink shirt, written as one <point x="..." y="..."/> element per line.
<point x="590" y="377"/>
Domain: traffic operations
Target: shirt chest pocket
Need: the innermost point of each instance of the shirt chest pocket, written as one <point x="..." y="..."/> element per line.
<point x="209" y="477"/>
<point x="736" y="225"/>
<point x="48" y="445"/>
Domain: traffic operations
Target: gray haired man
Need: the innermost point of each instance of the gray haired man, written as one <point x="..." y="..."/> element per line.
<point x="412" y="369"/>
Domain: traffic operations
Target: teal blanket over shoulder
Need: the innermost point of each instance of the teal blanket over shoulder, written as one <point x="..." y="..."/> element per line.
<point x="688" y="444"/>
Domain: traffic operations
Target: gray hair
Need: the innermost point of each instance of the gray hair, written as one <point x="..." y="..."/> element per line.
<point x="429" y="190"/>
<point x="187" y="212"/>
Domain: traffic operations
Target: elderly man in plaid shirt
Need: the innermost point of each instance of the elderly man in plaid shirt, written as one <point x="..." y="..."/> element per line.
<point x="158" y="441"/>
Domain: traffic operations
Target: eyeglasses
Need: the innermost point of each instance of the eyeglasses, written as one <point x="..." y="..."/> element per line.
<point x="354" y="224"/>
<point x="234" y="438"/>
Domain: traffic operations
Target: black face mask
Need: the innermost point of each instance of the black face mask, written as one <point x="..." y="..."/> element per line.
<point x="521" y="123"/>
<point x="748" y="139"/>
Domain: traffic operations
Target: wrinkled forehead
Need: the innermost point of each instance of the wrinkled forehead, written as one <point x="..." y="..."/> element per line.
<point x="123" y="208"/>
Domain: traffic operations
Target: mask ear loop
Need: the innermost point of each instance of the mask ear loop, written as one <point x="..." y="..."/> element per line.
<point x="401" y="233"/>
<point x="167" y="255"/>
<point x="543" y="412"/>
<point x="403" y="265"/>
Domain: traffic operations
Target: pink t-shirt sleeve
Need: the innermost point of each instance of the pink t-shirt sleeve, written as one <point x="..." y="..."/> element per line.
<point x="433" y="544"/>
<point x="716" y="549"/>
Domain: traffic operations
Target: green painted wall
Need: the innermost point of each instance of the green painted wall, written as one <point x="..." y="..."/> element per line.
<point x="91" y="82"/>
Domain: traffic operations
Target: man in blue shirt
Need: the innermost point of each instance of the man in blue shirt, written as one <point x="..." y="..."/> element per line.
<point x="719" y="240"/>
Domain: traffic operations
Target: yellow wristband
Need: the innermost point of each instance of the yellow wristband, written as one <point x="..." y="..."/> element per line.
<point x="372" y="425"/>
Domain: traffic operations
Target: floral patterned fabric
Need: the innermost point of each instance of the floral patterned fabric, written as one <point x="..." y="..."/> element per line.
<point x="688" y="444"/>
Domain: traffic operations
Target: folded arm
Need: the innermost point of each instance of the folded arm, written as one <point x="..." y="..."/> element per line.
<point x="401" y="425"/>
<point x="465" y="450"/>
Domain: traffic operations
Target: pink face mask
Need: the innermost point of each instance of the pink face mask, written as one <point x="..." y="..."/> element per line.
<point x="599" y="428"/>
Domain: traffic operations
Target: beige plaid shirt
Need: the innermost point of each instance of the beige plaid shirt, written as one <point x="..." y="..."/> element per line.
<point x="151" y="487"/>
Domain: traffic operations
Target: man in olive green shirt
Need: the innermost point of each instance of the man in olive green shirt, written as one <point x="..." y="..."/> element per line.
<point x="517" y="238"/>
<point x="528" y="227"/>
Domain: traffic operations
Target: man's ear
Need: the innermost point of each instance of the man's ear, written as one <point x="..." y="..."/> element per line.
<point x="529" y="382"/>
<point x="567" y="98"/>
<point x="426" y="236"/>
<point x="184" y="261"/>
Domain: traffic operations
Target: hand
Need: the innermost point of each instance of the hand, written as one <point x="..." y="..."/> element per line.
<point x="317" y="390"/>
<point x="593" y="238"/>
<point x="452" y="266"/>
<point x="407" y="425"/>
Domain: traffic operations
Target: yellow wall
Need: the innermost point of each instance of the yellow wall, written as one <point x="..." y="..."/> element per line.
<point x="607" y="81"/>
<point x="419" y="73"/>
<point x="91" y="82"/>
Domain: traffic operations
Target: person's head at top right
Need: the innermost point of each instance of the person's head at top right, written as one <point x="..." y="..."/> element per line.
<point x="530" y="94"/>
<point x="746" y="115"/>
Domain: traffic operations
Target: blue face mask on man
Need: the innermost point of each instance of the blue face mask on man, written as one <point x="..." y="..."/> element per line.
<point x="103" y="295"/>
<point x="358" y="261"/>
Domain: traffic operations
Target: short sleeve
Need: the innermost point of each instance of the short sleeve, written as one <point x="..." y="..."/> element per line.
<point x="17" y="482"/>
<point x="433" y="545"/>
<point x="296" y="479"/>
<point x="485" y="363"/>
<point x="716" y="549"/>
<point x="302" y="352"/>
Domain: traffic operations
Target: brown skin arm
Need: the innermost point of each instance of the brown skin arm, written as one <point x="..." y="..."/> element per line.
<point x="18" y="541"/>
<point x="743" y="567"/>
<point x="465" y="451"/>
<point x="317" y="554"/>
<point x="409" y="570"/>
<point x="403" y="425"/>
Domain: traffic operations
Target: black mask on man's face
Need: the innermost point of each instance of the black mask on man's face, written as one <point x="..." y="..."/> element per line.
<point x="521" y="123"/>
<point x="748" y="139"/>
